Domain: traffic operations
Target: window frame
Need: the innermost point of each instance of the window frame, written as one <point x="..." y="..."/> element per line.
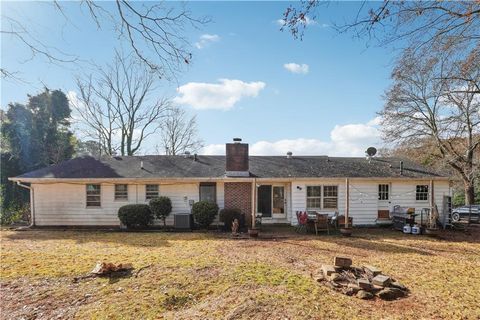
<point x="207" y="184"/>
<point x="307" y="197"/>
<point x="329" y="197"/>
<point x="426" y="193"/>
<point x="115" y="197"/>
<point x="382" y="193"/>
<point x="94" y="195"/>
<point x="147" y="196"/>
<point x="322" y="197"/>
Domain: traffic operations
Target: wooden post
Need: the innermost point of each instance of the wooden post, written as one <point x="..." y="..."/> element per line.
<point x="254" y="193"/>
<point x="347" y="201"/>
<point x="432" y="201"/>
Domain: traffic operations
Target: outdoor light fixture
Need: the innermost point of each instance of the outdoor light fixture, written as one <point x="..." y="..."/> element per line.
<point x="299" y="188"/>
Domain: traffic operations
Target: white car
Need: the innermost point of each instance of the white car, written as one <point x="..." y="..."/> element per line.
<point x="464" y="212"/>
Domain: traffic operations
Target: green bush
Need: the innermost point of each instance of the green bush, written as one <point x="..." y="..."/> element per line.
<point x="228" y="215"/>
<point x="204" y="212"/>
<point x="161" y="208"/>
<point x="13" y="214"/>
<point x="135" y="216"/>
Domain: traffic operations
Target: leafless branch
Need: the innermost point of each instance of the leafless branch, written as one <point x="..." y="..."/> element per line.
<point x="179" y="133"/>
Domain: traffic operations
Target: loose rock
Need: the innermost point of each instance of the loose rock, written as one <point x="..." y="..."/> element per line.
<point x="327" y="269"/>
<point x="364" y="284"/>
<point x="374" y="271"/>
<point x="342" y="261"/>
<point x="365" y="295"/>
<point x="390" y="294"/>
<point x="381" y="280"/>
<point x="398" y="285"/>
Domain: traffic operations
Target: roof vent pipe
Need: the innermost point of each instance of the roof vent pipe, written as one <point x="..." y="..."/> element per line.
<point x="186" y="154"/>
<point x="401" y="168"/>
<point x="195" y="158"/>
<point x="289" y="154"/>
<point x="141" y="165"/>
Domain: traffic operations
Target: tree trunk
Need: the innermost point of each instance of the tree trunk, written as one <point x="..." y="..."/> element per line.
<point x="469" y="193"/>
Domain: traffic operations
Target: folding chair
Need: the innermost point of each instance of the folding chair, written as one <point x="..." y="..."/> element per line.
<point x="302" y="219"/>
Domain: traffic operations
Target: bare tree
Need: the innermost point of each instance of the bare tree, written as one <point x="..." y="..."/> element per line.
<point x="154" y="32"/>
<point x="434" y="98"/>
<point x="179" y="133"/>
<point x="118" y="105"/>
<point x="419" y="23"/>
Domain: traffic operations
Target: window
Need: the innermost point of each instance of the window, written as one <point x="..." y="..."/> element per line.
<point x="121" y="192"/>
<point x="314" y="197"/>
<point x="208" y="192"/>
<point x="330" y="197"/>
<point x="422" y="193"/>
<point x="383" y="191"/>
<point x="93" y="195"/>
<point x="151" y="191"/>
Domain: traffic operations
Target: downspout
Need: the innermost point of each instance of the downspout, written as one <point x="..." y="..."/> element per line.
<point x="32" y="202"/>
<point x="347" y="202"/>
<point x="254" y="215"/>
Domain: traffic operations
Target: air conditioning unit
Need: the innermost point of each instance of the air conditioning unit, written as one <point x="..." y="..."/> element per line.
<point x="183" y="221"/>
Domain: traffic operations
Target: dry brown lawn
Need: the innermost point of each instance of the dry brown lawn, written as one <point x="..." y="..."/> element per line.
<point x="210" y="276"/>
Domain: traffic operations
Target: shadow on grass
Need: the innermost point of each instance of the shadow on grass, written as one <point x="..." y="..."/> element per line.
<point x="136" y="239"/>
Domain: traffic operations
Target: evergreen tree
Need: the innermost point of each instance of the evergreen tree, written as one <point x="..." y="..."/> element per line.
<point x="34" y="135"/>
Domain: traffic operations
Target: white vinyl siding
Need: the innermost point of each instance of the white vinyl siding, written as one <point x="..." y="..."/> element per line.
<point x="364" y="197"/>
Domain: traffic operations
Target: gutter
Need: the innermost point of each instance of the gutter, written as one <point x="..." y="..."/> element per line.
<point x="32" y="202"/>
<point x="217" y="179"/>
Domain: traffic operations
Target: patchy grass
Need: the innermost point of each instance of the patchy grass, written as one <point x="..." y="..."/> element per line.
<point x="197" y="275"/>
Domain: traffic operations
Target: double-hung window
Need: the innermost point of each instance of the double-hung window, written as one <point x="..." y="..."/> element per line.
<point x="314" y="197"/>
<point x="383" y="191"/>
<point x="151" y="191"/>
<point x="93" y="195"/>
<point x="208" y="192"/>
<point x="330" y="197"/>
<point x="421" y="192"/>
<point x="322" y="197"/>
<point x="121" y="192"/>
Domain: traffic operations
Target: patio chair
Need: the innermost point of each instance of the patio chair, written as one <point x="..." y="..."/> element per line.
<point x="321" y="224"/>
<point x="302" y="219"/>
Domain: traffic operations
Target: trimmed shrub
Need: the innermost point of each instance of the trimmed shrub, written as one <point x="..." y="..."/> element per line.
<point x="204" y="212"/>
<point x="228" y="215"/>
<point x="14" y="213"/>
<point x="161" y="208"/>
<point x="135" y="216"/>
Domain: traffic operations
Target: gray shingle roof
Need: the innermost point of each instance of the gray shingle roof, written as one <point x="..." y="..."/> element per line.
<point x="214" y="166"/>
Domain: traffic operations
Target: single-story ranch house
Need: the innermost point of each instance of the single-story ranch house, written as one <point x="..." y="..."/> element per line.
<point x="87" y="191"/>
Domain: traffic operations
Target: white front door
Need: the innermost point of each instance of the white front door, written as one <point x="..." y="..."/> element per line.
<point x="278" y="202"/>
<point x="383" y="204"/>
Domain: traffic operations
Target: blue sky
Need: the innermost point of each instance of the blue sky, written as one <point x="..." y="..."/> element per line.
<point x="240" y="83"/>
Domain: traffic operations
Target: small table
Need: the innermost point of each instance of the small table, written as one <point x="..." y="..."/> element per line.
<point x="312" y="217"/>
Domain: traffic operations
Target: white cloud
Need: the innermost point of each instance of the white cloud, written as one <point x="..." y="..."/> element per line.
<point x="206" y="39"/>
<point x="308" y="22"/>
<point x="220" y="96"/>
<point x="296" y="68"/>
<point x="345" y="140"/>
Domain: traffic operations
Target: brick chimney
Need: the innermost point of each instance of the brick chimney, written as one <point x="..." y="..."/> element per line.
<point x="237" y="159"/>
